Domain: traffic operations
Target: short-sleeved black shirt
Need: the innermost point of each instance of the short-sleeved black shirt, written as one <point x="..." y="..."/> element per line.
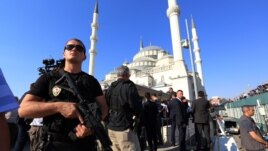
<point x="41" y="86"/>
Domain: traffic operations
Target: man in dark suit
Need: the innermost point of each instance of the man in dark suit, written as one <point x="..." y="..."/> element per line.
<point x="200" y="109"/>
<point x="178" y="118"/>
<point x="159" y="118"/>
<point x="149" y="115"/>
<point x="182" y="127"/>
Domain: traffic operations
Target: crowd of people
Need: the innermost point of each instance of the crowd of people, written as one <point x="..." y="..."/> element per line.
<point x="52" y="117"/>
<point x="258" y="90"/>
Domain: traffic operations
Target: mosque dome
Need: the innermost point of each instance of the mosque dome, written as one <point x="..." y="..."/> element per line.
<point x="147" y="57"/>
<point x="148" y="48"/>
<point x="153" y="52"/>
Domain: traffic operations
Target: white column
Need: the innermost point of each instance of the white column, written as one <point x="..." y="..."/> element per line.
<point x="196" y="49"/>
<point x="180" y="78"/>
<point x="173" y="13"/>
<point x="93" y="40"/>
<point x="191" y="57"/>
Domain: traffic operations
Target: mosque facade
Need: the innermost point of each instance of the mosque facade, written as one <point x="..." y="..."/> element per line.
<point x="154" y="68"/>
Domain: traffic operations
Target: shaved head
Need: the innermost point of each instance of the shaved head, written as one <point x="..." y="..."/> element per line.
<point x="248" y="110"/>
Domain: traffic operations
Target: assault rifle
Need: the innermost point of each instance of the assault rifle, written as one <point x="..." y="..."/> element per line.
<point x="91" y="121"/>
<point x="50" y="64"/>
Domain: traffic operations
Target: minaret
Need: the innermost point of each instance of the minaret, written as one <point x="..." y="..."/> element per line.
<point x="179" y="76"/>
<point x="93" y="40"/>
<point x="196" y="49"/>
<point x="173" y="13"/>
<point x="141" y="44"/>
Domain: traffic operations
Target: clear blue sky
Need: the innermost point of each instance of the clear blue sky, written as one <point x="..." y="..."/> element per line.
<point x="233" y="37"/>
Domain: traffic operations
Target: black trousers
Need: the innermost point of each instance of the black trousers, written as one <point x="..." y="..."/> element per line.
<point x="64" y="146"/>
<point x="158" y="130"/>
<point x="59" y="142"/>
<point x="173" y="130"/>
<point x="151" y="136"/>
<point x="182" y="137"/>
<point x="199" y="127"/>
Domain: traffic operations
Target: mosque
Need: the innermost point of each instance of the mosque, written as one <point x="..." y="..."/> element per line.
<point x="153" y="67"/>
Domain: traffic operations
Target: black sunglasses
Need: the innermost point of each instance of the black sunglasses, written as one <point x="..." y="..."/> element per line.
<point x="79" y="48"/>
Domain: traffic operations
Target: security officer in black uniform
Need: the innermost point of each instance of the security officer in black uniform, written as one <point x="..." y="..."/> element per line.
<point x="51" y="98"/>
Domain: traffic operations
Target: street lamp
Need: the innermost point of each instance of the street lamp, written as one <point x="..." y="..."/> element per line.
<point x="191" y="56"/>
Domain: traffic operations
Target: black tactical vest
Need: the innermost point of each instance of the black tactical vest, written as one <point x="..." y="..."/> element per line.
<point x="59" y="91"/>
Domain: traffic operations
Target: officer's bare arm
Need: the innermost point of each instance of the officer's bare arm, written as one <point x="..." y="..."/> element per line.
<point x="103" y="106"/>
<point x="34" y="106"/>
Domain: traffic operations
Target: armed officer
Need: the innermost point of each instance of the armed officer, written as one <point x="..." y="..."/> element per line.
<point x="60" y="112"/>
